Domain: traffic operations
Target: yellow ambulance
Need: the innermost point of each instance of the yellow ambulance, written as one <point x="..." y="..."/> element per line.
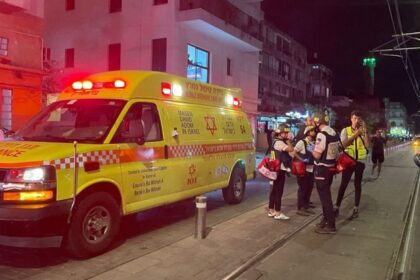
<point x="117" y="143"/>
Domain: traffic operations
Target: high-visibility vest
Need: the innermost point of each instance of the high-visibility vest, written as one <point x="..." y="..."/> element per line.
<point x="357" y="148"/>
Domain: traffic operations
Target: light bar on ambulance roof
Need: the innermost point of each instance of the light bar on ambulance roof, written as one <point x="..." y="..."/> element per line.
<point x="233" y="101"/>
<point x="88" y="85"/>
<point x="166" y="88"/>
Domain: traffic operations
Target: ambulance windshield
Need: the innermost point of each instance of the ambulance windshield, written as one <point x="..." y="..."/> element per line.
<point x="82" y="120"/>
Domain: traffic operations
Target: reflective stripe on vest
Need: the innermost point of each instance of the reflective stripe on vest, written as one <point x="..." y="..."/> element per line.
<point x="356" y="149"/>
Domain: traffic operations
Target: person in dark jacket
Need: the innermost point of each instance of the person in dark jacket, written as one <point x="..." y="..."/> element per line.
<point x="269" y="133"/>
<point x="378" y="144"/>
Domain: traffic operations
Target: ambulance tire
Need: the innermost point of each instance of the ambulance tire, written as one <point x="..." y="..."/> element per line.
<point x="234" y="192"/>
<point x="95" y="224"/>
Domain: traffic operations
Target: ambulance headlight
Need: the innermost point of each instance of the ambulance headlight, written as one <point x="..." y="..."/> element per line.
<point x="29" y="184"/>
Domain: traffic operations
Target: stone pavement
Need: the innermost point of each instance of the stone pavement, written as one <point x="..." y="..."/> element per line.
<point x="362" y="248"/>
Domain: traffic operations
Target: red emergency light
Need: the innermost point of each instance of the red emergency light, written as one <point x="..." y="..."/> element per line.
<point x="88" y="85"/>
<point x="236" y="102"/>
<point x="166" y="89"/>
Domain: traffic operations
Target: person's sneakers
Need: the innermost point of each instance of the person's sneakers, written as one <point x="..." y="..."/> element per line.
<point x="326" y="230"/>
<point x="302" y="212"/>
<point x="323" y="223"/>
<point x="281" y="216"/>
<point x="271" y="214"/>
<point x="311" y="205"/>
<point x="309" y="211"/>
<point x="336" y="211"/>
<point x="355" y="214"/>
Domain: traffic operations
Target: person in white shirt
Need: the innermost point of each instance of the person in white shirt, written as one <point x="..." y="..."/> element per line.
<point x="281" y="149"/>
<point x="325" y="154"/>
<point x="303" y="151"/>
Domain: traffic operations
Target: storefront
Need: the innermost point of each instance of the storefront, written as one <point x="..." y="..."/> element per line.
<point x="293" y="118"/>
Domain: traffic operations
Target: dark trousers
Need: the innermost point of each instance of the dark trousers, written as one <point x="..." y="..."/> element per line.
<point x="345" y="179"/>
<point x="306" y="184"/>
<point x="277" y="191"/>
<point x="323" y="180"/>
<point x="270" y="146"/>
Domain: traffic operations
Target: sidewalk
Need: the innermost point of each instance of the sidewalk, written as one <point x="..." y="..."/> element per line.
<point x="361" y="249"/>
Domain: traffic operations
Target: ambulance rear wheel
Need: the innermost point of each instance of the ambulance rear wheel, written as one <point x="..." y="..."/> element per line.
<point x="94" y="225"/>
<point x="234" y="192"/>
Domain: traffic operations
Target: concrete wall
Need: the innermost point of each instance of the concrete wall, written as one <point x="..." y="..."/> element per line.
<point x="90" y="28"/>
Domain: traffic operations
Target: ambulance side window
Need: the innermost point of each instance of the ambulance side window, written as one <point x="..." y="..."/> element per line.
<point x="140" y="124"/>
<point x="151" y="122"/>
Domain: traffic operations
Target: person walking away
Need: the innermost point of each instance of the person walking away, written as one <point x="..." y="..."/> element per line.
<point x="303" y="151"/>
<point x="269" y="135"/>
<point x="354" y="139"/>
<point x="281" y="149"/>
<point x="325" y="153"/>
<point x="378" y="144"/>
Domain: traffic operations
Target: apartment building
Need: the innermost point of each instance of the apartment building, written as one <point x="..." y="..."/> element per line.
<point x="283" y="76"/>
<point x="320" y="84"/>
<point x="20" y="61"/>
<point x="210" y="41"/>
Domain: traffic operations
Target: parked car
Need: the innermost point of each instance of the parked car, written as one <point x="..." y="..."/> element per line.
<point x="416" y="140"/>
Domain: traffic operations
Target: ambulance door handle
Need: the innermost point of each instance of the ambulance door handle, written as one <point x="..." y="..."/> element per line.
<point x="165" y="148"/>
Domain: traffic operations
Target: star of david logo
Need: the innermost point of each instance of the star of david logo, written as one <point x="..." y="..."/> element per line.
<point x="211" y="124"/>
<point x="192" y="169"/>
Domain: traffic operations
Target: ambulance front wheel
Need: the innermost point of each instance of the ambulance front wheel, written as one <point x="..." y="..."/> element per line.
<point x="234" y="192"/>
<point x="94" y="225"/>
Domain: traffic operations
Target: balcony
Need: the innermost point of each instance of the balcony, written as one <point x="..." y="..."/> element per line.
<point x="223" y="17"/>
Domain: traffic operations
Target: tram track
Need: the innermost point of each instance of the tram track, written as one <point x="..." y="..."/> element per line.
<point x="399" y="265"/>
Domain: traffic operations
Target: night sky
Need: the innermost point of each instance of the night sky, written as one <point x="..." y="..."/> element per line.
<point x="342" y="32"/>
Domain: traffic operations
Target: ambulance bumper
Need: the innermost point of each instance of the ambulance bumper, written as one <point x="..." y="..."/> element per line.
<point x="34" y="225"/>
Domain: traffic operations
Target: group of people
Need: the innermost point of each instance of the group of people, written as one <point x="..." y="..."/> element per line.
<point x="319" y="148"/>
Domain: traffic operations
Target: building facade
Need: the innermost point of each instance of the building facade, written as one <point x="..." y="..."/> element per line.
<point x="320" y="84"/>
<point x="211" y="41"/>
<point x="21" y="67"/>
<point x="396" y="117"/>
<point x="283" y="74"/>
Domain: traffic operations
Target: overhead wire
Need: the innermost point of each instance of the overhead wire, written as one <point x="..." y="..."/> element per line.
<point x="405" y="57"/>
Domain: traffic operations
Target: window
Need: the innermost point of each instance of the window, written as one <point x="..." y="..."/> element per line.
<point x="286" y="71"/>
<point x="159" y="54"/>
<point x="228" y="67"/>
<point x="114" y="57"/>
<point x="141" y="121"/>
<point x="6" y="108"/>
<point x="160" y="2"/>
<point x="70" y="5"/>
<point x="4" y="42"/>
<point x="198" y="64"/>
<point x="46" y="54"/>
<point x="69" y="58"/>
<point x="115" y="6"/>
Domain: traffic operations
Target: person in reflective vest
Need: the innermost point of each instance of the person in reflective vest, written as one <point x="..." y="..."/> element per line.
<point x="281" y="149"/>
<point x="325" y="154"/>
<point x="355" y="140"/>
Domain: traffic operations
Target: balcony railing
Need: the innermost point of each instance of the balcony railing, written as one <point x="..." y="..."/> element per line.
<point x="227" y="12"/>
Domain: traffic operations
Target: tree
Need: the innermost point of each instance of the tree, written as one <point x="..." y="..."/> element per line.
<point x="52" y="80"/>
